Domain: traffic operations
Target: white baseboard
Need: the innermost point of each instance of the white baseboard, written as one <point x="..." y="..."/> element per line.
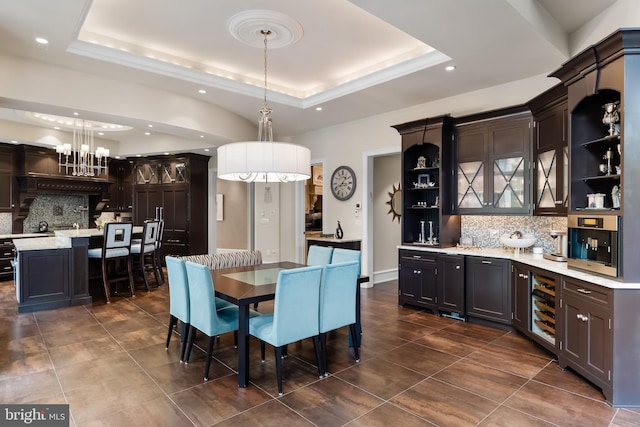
<point x="381" y="276"/>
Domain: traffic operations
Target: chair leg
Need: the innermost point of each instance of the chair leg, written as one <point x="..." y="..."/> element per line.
<point x="173" y="321"/>
<point x="356" y="351"/>
<point x="155" y="268"/>
<point x="144" y="276"/>
<point x="184" y="341"/>
<point x="130" y="272"/>
<point x="278" y="351"/>
<point x="262" y="350"/>
<point x="317" y="348"/>
<point x="190" y="338"/>
<point x="159" y="264"/>
<point x="209" y="356"/>
<point x="105" y="281"/>
<point x="322" y="341"/>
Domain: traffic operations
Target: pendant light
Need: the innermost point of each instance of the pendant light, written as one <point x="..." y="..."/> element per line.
<point x="264" y="160"/>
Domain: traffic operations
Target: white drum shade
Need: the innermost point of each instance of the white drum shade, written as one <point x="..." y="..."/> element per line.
<point x="263" y="161"/>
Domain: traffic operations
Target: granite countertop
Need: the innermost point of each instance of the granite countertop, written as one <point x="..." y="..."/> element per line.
<point x="88" y="232"/>
<point x="41" y="243"/>
<point x="332" y="239"/>
<point x="534" y="260"/>
<point x="24" y="235"/>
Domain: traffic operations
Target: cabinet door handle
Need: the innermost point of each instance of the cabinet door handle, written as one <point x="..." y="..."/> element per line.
<point x="417" y="256"/>
<point x="7" y="268"/>
<point x="486" y="262"/>
<point x="584" y="291"/>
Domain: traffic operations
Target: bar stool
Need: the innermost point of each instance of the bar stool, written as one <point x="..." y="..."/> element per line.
<point x="116" y="245"/>
<point x="145" y="251"/>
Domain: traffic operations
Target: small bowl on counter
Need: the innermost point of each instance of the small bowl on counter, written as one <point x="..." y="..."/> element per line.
<point x="517" y="243"/>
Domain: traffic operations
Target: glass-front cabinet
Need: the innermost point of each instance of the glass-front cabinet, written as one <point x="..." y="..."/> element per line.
<point x="551" y="151"/>
<point x="493" y="164"/>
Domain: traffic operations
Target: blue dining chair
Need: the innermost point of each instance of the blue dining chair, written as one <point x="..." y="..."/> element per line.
<point x="319" y="255"/>
<point x="178" y="300"/>
<point x="345" y="255"/>
<point x="294" y="317"/>
<point x="205" y="315"/>
<point x="338" y="303"/>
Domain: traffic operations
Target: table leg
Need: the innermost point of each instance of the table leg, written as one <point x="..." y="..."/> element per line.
<point x="243" y="345"/>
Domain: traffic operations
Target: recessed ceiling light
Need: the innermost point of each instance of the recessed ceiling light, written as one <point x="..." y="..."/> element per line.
<point x="201" y="136"/>
<point x="138" y="155"/>
<point x="56" y="127"/>
<point x="13" y="141"/>
<point x="150" y="126"/>
<point x="42" y="40"/>
<point x="206" y="149"/>
<point x="117" y="157"/>
<point x="75" y="113"/>
<point x="450" y="67"/>
<point x="318" y="108"/>
<point x="147" y="133"/>
<point x="166" y="153"/>
<point x="101" y="133"/>
<point x="202" y="91"/>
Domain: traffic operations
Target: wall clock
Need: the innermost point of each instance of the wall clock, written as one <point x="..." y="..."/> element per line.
<point x="343" y="183"/>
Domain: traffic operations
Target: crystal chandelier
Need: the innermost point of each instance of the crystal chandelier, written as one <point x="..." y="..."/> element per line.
<point x="80" y="157"/>
<point x="264" y="160"/>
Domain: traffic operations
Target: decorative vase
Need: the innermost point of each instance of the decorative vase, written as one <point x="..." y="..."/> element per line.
<point x="339" y="232"/>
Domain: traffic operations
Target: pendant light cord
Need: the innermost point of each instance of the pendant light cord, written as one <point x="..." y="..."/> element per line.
<point x="265" y="33"/>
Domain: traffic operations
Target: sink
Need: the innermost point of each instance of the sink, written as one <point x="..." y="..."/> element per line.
<point x="525" y="241"/>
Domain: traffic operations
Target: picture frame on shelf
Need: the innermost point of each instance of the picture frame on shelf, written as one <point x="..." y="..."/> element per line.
<point x="424" y="180"/>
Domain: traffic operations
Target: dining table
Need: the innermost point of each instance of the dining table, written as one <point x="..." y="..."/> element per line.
<point x="248" y="285"/>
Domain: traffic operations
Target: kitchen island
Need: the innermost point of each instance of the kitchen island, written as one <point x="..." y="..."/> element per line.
<point x="51" y="272"/>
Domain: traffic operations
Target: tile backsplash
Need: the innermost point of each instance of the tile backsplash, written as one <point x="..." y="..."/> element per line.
<point x="486" y="230"/>
<point x="59" y="211"/>
<point x="5" y="223"/>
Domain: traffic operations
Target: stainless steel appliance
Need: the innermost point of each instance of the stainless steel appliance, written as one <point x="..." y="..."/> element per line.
<point x="560" y="254"/>
<point x="593" y="243"/>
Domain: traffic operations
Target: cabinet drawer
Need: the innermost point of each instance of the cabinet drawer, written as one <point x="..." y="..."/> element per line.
<point x="406" y="255"/>
<point x="590" y="291"/>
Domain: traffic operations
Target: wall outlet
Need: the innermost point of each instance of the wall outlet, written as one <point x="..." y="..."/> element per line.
<point x="493" y="233"/>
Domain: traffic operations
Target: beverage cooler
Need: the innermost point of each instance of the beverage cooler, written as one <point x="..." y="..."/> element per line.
<point x="543" y="307"/>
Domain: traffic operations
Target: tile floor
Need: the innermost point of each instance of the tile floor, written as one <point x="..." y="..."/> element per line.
<point x="109" y="363"/>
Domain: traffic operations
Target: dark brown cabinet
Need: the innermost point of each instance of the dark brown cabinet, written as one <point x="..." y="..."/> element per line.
<point x="7" y="186"/>
<point x="174" y="188"/>
<point x="120" y="191"/>
<point x="587" y="330"/>
<point x="451" y="279"/>
<point x="488" y="289"/>
<point x="551" y="152"/>
<point x="520" y="298"/>
<point x="418" y="279"/>
<point x="434" y="281"/>
<point x="428" y="210"/>
<point x="493" y="162"/>
<point x="6" y="256"/>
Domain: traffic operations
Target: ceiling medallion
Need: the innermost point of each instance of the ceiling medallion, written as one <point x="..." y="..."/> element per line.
<point x="247" y="27"/>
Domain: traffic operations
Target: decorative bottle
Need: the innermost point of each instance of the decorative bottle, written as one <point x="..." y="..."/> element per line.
<point x="339" y="232"/>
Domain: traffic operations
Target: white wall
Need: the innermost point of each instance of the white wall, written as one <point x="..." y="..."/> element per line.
<point x="386" y="231"/>
<point x="347" y="143"/>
